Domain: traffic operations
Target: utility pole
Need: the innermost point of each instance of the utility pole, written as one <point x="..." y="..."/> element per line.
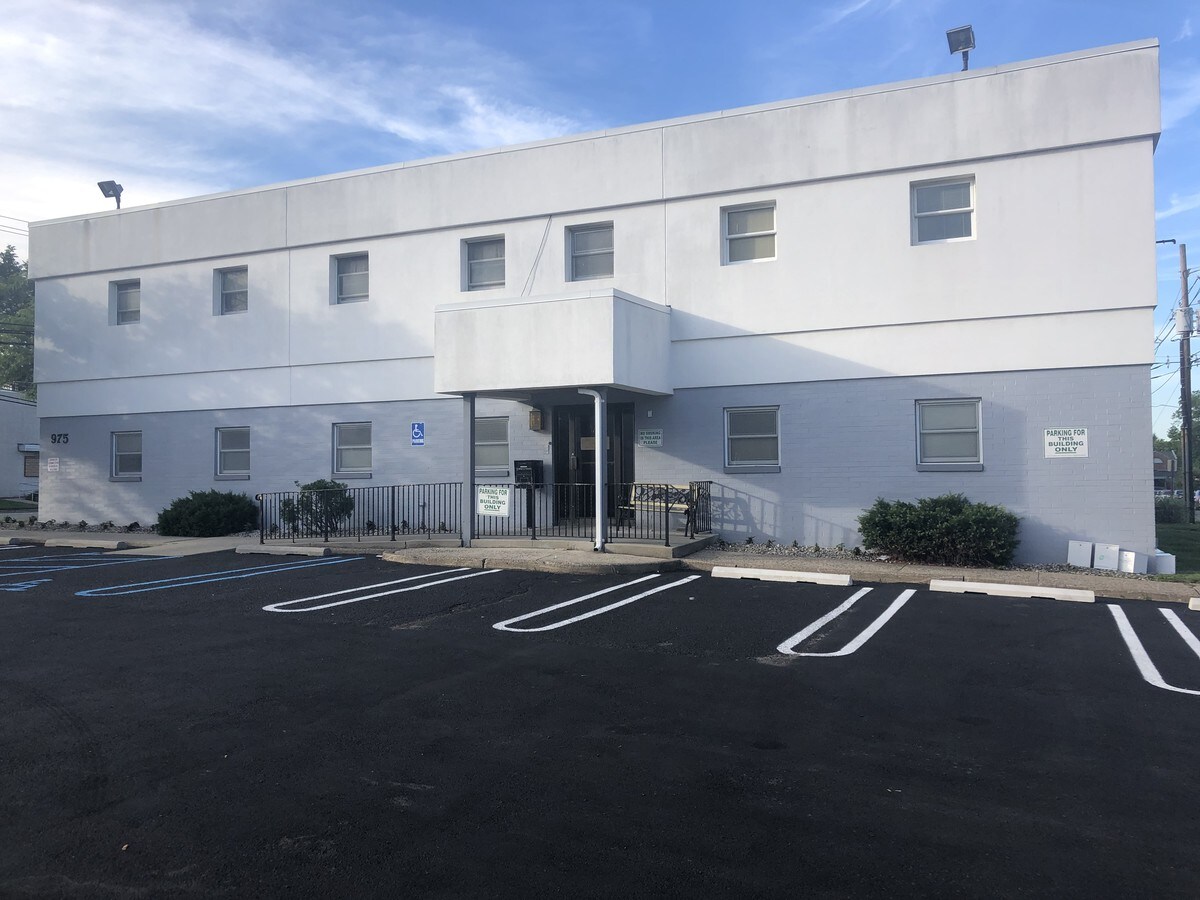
<point x="1183" y="325"/>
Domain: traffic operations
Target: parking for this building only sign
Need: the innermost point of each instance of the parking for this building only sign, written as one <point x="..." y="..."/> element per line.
<point x="1066" y="442"/>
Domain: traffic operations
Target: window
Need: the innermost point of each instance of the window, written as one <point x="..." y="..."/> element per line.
<point x="127" y="454"/>
<point x="943" y="210"/>
<point x="749" y="233"/>
<point x="352" y="448"/>
<point x="491" y="445"/>
<point x="125" y="302"/>
<point x="485" y="264"/>
<point x="232" y="290"/>
<point x="31" y="465"/>
<point x="591" y="249"/>
<point x="752" y="436"/>
<point x="948" y="433"/>
<point x="352" y="277"/>
<point x="233" y="451"/>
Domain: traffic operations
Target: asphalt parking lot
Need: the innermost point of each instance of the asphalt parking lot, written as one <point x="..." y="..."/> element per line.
<point x="236" y="726"/>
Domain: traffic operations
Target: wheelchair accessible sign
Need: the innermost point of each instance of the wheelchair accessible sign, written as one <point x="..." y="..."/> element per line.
<point x="418" y="434"/>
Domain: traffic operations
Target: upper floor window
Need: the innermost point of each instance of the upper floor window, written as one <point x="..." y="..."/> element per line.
<point x="491" y="445"/>
<point x="233" y="451"/>
<point x="126" y="454"/>
<point x="749" y="232"/>
<point x="943" y="210"/>
<point x="125" y="302"/>
<point x="232" y="291"/>
<point x="352" y="448"/>
<point x="948" y="433"/>
<point x="484" y="264"/>
<point x="352" y="278"/>
<point x="752" y="436"/>
<point x="591" y="251"/>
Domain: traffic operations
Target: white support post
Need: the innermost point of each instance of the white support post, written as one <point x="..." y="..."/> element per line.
<point x="468" y="482"/>
<point x="601" y="461"/>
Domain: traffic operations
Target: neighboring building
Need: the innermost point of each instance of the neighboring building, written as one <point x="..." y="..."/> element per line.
<point x="894" y="291"/>
<point x="1166" y="466"/>
<point x="18" y="445"/>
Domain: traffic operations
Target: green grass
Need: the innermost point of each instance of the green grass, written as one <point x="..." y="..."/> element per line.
<point x="1184" y="542"/>
<point x="28" y="505"/>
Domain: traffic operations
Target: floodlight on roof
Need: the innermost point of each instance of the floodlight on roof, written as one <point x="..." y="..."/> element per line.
<point x="961" y="40"/>
<point x="111" y="189"/>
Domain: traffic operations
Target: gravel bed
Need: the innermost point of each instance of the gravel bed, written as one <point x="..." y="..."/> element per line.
<point x="790" y="552"/>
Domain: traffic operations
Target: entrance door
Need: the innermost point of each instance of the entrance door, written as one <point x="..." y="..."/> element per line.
<point x="575" y="457"/>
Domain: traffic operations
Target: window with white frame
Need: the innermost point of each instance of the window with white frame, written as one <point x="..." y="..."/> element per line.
<point x="484" y="264"/>
<point x="491" y="445"/>
<point x="352" y="448"/>
<point x="233" y="451"/>
<point x="943" y="210"/>
<point x="233" y="291"/>
<point x="749" y="232"/>
<point x="125" y="299"/>
<point x="948" y="432"/>
<point x="591" y="251"/>
<point x="126" y="454"/>
<point x="752" y="436"/>
<point x="353" y="278"/>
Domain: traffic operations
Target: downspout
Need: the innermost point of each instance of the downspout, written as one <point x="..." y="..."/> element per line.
<point x="601" y="457"/>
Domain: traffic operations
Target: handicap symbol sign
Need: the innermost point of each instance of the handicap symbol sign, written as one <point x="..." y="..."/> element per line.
<point x="418" y="434"/>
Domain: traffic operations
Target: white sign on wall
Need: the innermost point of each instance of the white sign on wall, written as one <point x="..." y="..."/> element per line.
<point x="491" y="500"/>
<point x="650" y="437"/>
<point x="1066" y="442"/>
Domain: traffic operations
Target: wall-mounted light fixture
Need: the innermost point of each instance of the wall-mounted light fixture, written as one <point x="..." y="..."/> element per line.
<point x="111" y="189"/>
<point x="535" y="420"/>
<point x="961" y="40"/>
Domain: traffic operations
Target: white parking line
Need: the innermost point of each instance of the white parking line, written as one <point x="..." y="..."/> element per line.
<point x="1142" y="658"/>
<point x="504" y="626"/>
<point x="788" y="646"/>
<point x="278" y="607"/>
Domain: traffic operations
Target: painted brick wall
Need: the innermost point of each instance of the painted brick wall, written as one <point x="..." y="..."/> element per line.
<point x="845" y="443"/>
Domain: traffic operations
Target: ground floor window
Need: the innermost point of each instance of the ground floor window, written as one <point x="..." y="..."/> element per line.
<point x="948" y="432"/>
<point x="127" y="454"/>
<point x="352" y="448"/>
<point x="752" y="436"/>
<point x="491" y="445"/>
<point x="31" y="465"/>
<point x="233" y="451"/>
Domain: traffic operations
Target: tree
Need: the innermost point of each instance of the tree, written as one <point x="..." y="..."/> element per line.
<point x="16" y="323"/>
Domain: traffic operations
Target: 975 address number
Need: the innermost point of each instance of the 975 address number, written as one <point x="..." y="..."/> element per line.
<point x="62" y="438"/>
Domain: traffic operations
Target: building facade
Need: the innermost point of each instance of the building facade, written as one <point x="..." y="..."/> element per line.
<point x="896" y="291"/>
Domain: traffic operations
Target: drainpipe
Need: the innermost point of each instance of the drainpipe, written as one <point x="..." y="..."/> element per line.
<point x="601" y="457"/>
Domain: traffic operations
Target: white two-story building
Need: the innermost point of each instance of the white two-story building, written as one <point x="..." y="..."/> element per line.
<point x="897" y="291"/>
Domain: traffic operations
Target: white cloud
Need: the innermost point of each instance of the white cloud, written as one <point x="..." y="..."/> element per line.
<point x="174" y="99"/>
<point x="1185" y="31"/>
<point x="1177" y="205"/>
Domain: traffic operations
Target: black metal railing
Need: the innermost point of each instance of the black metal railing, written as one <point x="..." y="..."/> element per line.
<point x="384" y="511"/>
<point x="636" y="511"/>
<point x="633" y="511"/>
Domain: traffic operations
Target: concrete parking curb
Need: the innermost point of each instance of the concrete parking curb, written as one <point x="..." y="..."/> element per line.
<point x="1074" y="595"/>
<point x="787" y="575"/>
<point x="87" y="544"/>
<point x="282" y="550"/>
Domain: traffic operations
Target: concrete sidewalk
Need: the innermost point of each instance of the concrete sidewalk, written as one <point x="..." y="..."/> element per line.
<point x="585" y="562"/>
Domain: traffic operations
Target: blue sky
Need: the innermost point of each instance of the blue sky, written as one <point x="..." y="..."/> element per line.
<point x="174" y="99"/>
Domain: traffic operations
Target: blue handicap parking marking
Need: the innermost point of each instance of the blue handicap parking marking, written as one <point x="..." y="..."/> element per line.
<point x="49" y="565"/>
<point x="182" y="581"/>
<point x="19" y="586"/>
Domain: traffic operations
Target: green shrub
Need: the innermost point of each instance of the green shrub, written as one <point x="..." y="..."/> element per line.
<point x="1169" y="511"/>
<point x="946" y="530"/>
<point x="208" y="514"/>
<point x="321" y="507"/>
